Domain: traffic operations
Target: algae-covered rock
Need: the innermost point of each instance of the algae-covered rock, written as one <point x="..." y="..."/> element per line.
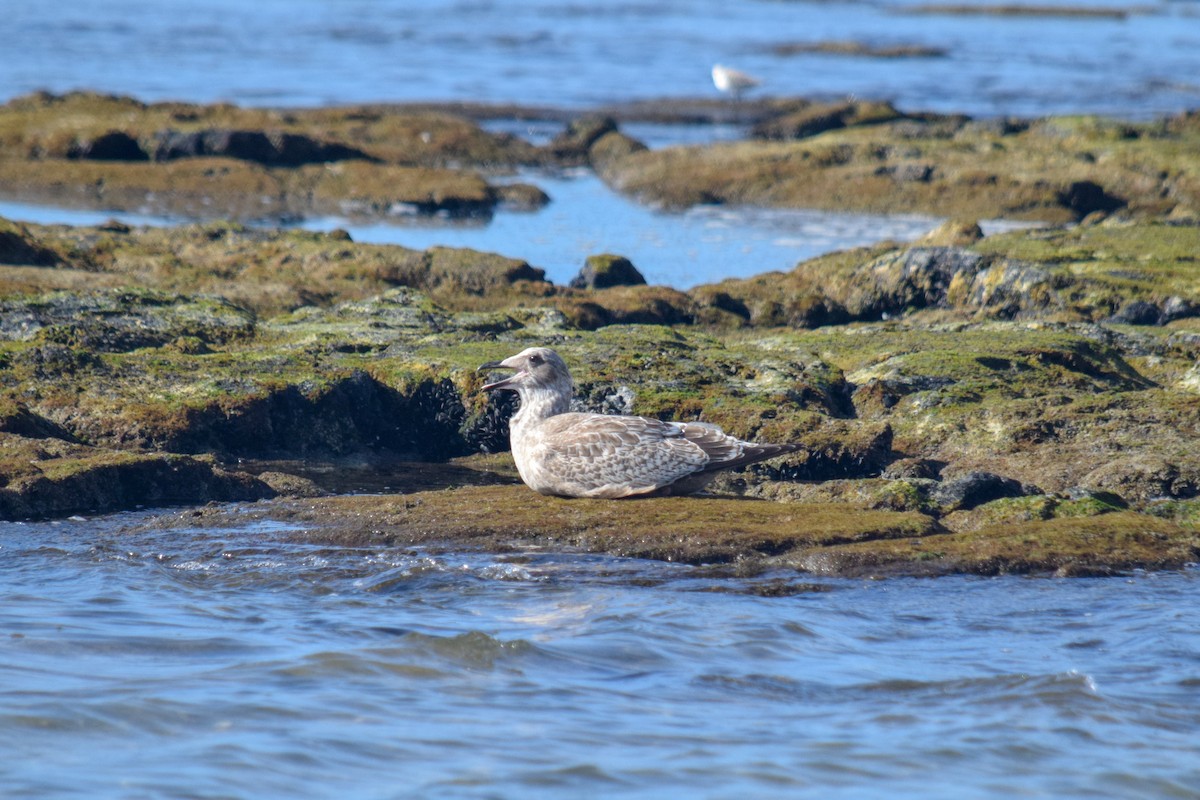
<point x="868" y="157"/>
<point x="48" y="477"/>
<point x="696" y="531"/>
<point x="118" y="321"/>
<point x="1083" y="273"/>
<point x="605" y="270"/>
<point x="19" y="246"/>
<point x="1080" y="546"/>
<point x="827" y="538"/>
<point x="223" y="161"/>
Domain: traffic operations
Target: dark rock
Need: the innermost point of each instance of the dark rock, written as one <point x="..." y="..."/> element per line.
<point x="1143" y="477"/>
<point x="488" y="433"/>
<point x="1086" y="197"/>
<point x="285" y="484"/>
<point x="21" y="421"/>
<point x="573" y="144"/>
<point x="974" y="489"/>
<point x="605" y="270"/>
<point x="111" y="146"/>
<point x="1138" y="312"/>
<point x="109" y="481"/>
<point x="611" y="148"/>
<point x="19" y="246"/>
<point x="860" y="453"/>
<point x="114" y="226"/>
<point x="275" y="150"/>
<point x="354" y="414"/>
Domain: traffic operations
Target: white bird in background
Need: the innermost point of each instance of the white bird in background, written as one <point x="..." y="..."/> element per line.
<point x="732" y="81"/>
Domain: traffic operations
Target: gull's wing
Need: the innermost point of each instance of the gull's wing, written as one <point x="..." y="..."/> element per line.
<point x="598" y="455"/>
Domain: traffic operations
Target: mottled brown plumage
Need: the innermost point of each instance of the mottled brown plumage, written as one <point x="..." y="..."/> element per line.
<point x="575" y="454"/>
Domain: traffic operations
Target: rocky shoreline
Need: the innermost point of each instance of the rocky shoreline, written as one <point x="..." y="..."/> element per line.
<point x="1028" y="401"/>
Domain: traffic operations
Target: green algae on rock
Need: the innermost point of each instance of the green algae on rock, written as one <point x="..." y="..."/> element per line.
<point x="858" y="158"/>
<point x="222" y="161"/>
<point x="45" y="476"/>
<point x="826" y="538"/>
<point x="1083" y="273"/>
<point x="673" y="529"/>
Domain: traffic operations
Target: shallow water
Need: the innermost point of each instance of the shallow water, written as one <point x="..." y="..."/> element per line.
<point x="705" y="244"/>
<point x="237" y="663"/>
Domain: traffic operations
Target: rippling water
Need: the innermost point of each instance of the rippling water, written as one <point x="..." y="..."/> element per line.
<point x="573" y="53"/>
<point x="237" y="663"/>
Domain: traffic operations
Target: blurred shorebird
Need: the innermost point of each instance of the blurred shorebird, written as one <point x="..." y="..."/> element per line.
<point x="732" y="82"/>
<point x="574" y="454"/>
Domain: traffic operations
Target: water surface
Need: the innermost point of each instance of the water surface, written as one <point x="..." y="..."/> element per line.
<point x="206" y="663"/>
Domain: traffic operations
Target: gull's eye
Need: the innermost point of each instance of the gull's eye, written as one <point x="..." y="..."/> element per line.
<point x="535" y="359"/>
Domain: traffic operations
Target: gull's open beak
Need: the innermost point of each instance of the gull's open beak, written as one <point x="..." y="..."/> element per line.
<point x="503" y="383"/>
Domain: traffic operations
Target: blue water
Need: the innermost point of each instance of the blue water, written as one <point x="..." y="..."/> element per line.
<point x="575" y="53"/>
<point x="237" y="663"/>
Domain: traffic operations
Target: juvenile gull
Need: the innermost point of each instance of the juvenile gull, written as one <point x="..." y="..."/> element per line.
<point x="600" y="455"/>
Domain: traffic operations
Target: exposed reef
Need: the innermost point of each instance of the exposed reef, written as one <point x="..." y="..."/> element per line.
<point x="1022" y="402"/>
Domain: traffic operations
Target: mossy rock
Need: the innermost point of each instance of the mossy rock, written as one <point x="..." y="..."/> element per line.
<point x="47" y="477"/>
<point x="1078" y="546"/>
<point x="19" y="246"/>
<point x="940" y="166"/>
<point x="118" y="321"/>
<point x="1081" y="273"/>
<point x="691" y="530"/>
<point x="605" y="270"/>
<point x="220" y="160"/>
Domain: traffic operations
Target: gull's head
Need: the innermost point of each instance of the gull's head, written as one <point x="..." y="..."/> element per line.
<point x="535" y="368"/>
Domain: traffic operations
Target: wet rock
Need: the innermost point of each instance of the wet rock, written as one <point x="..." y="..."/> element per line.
<point x="1100" y="545"/>
<point x="855" y="48"/>
<point x="974" y="489"/>
<point x="50" y="478"/>
<point x="689" y="530"/>
<point x="603" y="271"/>
<point x="611" y="148"/>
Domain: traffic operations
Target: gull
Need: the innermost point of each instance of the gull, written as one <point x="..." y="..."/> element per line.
<point x="732" y="81"/>
<point x="574" y="454"/>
